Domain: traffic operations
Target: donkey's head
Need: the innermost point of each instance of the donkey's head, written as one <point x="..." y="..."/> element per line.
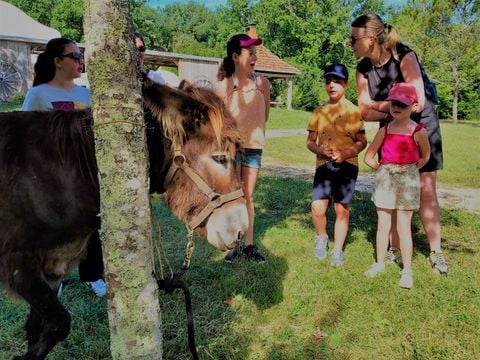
<point x="197" y="174"/>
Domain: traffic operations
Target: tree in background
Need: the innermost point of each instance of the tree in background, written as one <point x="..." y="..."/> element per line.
<point x="67" y="17"/>
<point x="309" y="34"/>
<point x="445" y="36"/>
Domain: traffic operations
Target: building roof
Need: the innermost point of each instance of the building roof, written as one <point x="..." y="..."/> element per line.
<point x="18" y="26"/>
<point x="164" y="58"/>
<point x="267" y="62"/>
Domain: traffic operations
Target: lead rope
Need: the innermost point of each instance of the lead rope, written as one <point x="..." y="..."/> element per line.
<point x="175" y="281"/>
<point x="189" y="249"/>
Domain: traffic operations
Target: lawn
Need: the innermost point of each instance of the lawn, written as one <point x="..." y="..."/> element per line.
<point x="294" y="307"/>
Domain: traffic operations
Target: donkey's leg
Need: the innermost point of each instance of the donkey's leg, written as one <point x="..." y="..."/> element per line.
<point x="32" y="327"/>
<point x="48" y="322"/>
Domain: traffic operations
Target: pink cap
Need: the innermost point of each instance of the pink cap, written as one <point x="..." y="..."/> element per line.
<point x="251" y="41"/>
<point x="403" y="92"/>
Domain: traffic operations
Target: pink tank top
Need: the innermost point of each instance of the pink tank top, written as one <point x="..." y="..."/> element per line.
<point x="400" y="149"/>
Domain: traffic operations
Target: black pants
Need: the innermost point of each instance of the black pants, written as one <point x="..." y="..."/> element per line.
<point x="91" y="268"/>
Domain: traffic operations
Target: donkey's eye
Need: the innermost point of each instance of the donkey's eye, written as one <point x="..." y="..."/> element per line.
<point x="220" y="157"/>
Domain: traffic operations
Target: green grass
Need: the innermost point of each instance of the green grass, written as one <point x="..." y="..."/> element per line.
<point x="288" y="119"/>
<point x="15" y="105"/>
<point x="461" y="150"/>
<point x="272" y="311"/>
<point x="275" y="308"/>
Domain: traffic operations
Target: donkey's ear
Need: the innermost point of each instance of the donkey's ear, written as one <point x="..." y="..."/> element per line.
<point x="184" y="84"/>
<point x="176" y="110"/>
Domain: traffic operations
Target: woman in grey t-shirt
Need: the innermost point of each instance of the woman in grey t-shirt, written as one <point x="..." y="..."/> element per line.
<point x="55" y="71"/>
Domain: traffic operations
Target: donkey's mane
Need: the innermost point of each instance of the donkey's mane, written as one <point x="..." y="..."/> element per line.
<point x="182" y="111"/>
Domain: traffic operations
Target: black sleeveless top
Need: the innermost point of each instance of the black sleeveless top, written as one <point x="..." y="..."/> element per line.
<point x="380" y="81"/>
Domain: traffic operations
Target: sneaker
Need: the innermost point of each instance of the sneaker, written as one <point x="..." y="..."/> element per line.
<point x="393" y="257"/>
<point x="375" y="269"/>
<point x="321" y="247"/>
<point x="60" y="290"/>
<point x="234" y="254"/>
<point x="99" y="287"/>
<point x="406" y="279"/>
<point x="337" y="258"/>
<point x="438" y="263"/>
<point x="252" y="253"/>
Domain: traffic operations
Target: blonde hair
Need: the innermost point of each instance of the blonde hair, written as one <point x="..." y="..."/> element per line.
<point x="386" y="34"/>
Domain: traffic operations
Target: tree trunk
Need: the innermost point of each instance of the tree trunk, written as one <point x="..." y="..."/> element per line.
<point x="455" y="90"/>
<point x="133" y="307"/>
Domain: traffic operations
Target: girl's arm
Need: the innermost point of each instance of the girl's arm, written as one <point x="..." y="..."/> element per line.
<point x="411" y="73"/>
<point x="371" y="110"/>
<point x="264" y="86"/>
<point x="373" y="149"/>
<point x="421" y="138"/>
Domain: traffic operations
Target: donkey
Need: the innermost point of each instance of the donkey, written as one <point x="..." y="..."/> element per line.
<point x="49" y="192"/>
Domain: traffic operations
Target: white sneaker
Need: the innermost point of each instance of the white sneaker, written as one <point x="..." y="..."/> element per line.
<point x="375" y="269"/>
<point x="99" y="287"/>
<point x="60" y="290"/>
<point x="321" y="247"/>
<point x="406" y="279"/>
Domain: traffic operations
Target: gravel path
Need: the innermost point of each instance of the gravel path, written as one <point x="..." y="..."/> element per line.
<point x="450" y="197"/>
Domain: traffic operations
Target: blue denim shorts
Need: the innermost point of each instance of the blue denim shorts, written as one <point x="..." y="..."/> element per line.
<point x="251" y="158"/>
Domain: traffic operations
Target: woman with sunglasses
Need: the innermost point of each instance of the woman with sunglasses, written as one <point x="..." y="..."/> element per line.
<point x="53" y="89"/>
<point x="385" y="62"/>
<point x="53" y="86"/>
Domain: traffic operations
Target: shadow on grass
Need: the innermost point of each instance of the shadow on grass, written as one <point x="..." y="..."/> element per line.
<point x="219" y="290"/>
<point x="216" y="284"/>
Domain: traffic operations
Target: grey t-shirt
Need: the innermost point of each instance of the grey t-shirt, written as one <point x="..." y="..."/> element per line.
<point x="47" y="97"/>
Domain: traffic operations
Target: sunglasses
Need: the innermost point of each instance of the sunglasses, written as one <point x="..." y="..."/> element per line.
<point x="354" y="39"/>
<point x="142" y="49"/>
<point x="76" y="56"/>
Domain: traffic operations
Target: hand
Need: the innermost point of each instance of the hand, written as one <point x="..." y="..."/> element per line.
<point x="326" y="153"/>
<point x="338" y="156"/>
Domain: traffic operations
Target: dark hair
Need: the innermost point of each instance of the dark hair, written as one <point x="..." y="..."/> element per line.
<point x="45" y="65"/>
<point x="137" y="35"/>
<point x="386" y="34"/>
<point x="227" y="67"/>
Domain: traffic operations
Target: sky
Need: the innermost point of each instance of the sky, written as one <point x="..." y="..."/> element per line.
<point x="212" y="4"/>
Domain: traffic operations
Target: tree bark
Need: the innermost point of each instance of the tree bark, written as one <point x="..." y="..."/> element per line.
<point x="456" y="88"/>
<point x="133" y="307"/>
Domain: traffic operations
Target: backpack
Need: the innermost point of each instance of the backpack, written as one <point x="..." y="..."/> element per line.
<point x="430" y="88"/>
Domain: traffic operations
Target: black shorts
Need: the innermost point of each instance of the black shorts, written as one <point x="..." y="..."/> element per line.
<point x="335" y="181"/>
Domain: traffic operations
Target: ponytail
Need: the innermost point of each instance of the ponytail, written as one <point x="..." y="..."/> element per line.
<point x="44" y="69"/>
<point x="392" y="38"/>
<point x="227" y="68"/>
